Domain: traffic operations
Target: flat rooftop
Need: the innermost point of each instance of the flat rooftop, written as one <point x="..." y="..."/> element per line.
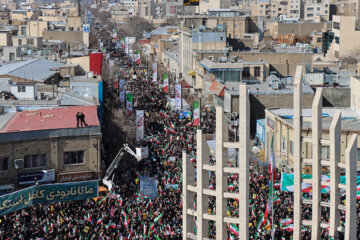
<point x="52" y="118"/>
<point x="350" y="120"/>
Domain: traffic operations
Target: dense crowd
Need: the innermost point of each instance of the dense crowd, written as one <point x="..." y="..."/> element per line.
<point x="127" y="214"/>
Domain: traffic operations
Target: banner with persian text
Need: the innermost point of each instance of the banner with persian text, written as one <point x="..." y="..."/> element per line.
<point x="48" y="193"/>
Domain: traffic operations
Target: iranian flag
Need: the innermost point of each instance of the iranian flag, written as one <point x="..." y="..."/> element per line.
<point x="129" y="102"/>
<point x="166" y="83"/>
<point x="157" y="218"/>
<point x="100" y="220"/>
<point x="196" y="121"/>
<point x="234" y="229"/>
<point x="261" y="223"/>
<point x="137" y="56"/>
<point x="114" y="33"/>
<point x="286" y="221"/>
<point x="122" y="42"/>
<point x="110" y="225"/>
<point x="163" y="113"/>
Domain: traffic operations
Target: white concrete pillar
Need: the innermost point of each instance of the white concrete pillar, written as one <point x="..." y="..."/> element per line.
<point x="316" y="164"/>
<point x="244" y="137"/>
<point x="202" y="157"/>
<point x="335" y="155"/>
<point x="221" y="178"/>
<point x="297" y="153"/>
<point x="351" y="186"/>
<point x="187" y="177"/>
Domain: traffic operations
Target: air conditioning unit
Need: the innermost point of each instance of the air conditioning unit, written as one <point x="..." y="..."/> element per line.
<point x="18" y="163"/>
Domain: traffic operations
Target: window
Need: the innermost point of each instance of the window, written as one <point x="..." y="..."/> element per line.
<point x="221" y="38"/>
<point x="291" y="147"/>
<point x="20" y="42"/>
<point x="319" y="40"/>
<point x="30" y="41"/>
<point x="23" y="30"/>
<point x="336" y="25"/>
<point x="337" y="40"/>
<point x="4" y="164"/>
<point x="257" y="71"/>
<point x="310" y="9"/>
<point x="283" y="145"/>
<point x="246" y="72"/>
<point x="21" y="88"/>
<point x="318" y="9"/>
<point x="325" y="152"/>
<point x="73" y="157"/>
<point x="358" y="154"/>
<point x="310" y="15"/>
<point x="34" y="161"/>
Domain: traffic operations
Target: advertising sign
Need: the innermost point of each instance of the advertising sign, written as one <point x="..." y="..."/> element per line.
<point x="41" y="176"/>
<point x="75" y="177"/>
<point x="191" y="2"/>
<point x="45" y="194"/>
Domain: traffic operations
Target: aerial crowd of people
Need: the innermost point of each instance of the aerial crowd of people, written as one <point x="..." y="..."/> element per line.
<point x="127" y="214"/>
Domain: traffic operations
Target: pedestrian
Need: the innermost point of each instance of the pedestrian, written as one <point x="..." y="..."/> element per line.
<point x="82" y="119"/>
<point x="77" y="119"/>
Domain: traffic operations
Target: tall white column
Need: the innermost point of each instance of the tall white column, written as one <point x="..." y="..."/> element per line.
<point x="297" y="153"/>
<point x="187" y="178"/>
<point x="351" y="185"/>
<point x="202" y="157"/>
<point x="335" y="155"/>
<point x="244" y="136"/>
<point x="221" y="179"/>
<point x="316" y="164"/>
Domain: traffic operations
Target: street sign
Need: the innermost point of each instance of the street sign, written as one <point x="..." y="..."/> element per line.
<point x="86" y="28"/>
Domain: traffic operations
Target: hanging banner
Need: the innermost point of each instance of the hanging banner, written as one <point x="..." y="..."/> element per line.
<point x="45" y="194"/>
<point x="139" y="125"/>
<point x="122" y="90"/>
<point x="166" y="83"/>
<point x="114" y="33"/>
<point x="154" y="69"/>
<point x="178" y="96"/>
<point x="148" y="186"/>
<point x="137" y="56"/>
<point x="122" y="42"/>
<point x="196" y="115"/>
<point x="127" y="46"/>
<point x="129" y="102"/>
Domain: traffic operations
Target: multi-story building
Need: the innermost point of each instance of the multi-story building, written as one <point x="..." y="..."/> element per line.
<point x="48" y="142"/>
<point x="343" y="44"/>
<point x="269" y="8"/>
<point x="206" y="5"/>
<point x="319" y="11"/>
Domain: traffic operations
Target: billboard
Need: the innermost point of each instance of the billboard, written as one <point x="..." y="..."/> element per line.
<point x="191" y="2"/>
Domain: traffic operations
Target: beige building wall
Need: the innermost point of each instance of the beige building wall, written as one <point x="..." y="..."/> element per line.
<point x="284" y="140"/>
<point x="74" y="23"/>
<point x="54" y="150"/>
<point x="205" y="5"/>
<point x="355" y="94"/>
<point x="345" y="32"/>
<point x="36" y="28"/>
<point x="83" y="62"/>
<point x="5" y="39"/>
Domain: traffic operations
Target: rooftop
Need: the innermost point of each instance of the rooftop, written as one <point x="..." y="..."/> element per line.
<point x="350" y="120"/>
<point x="163" y="30"/>
<point x="48" y="119"/>
<point x="264" y="89"/>
<point x="223" y="66"/>
<point x="37" y="69"/>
